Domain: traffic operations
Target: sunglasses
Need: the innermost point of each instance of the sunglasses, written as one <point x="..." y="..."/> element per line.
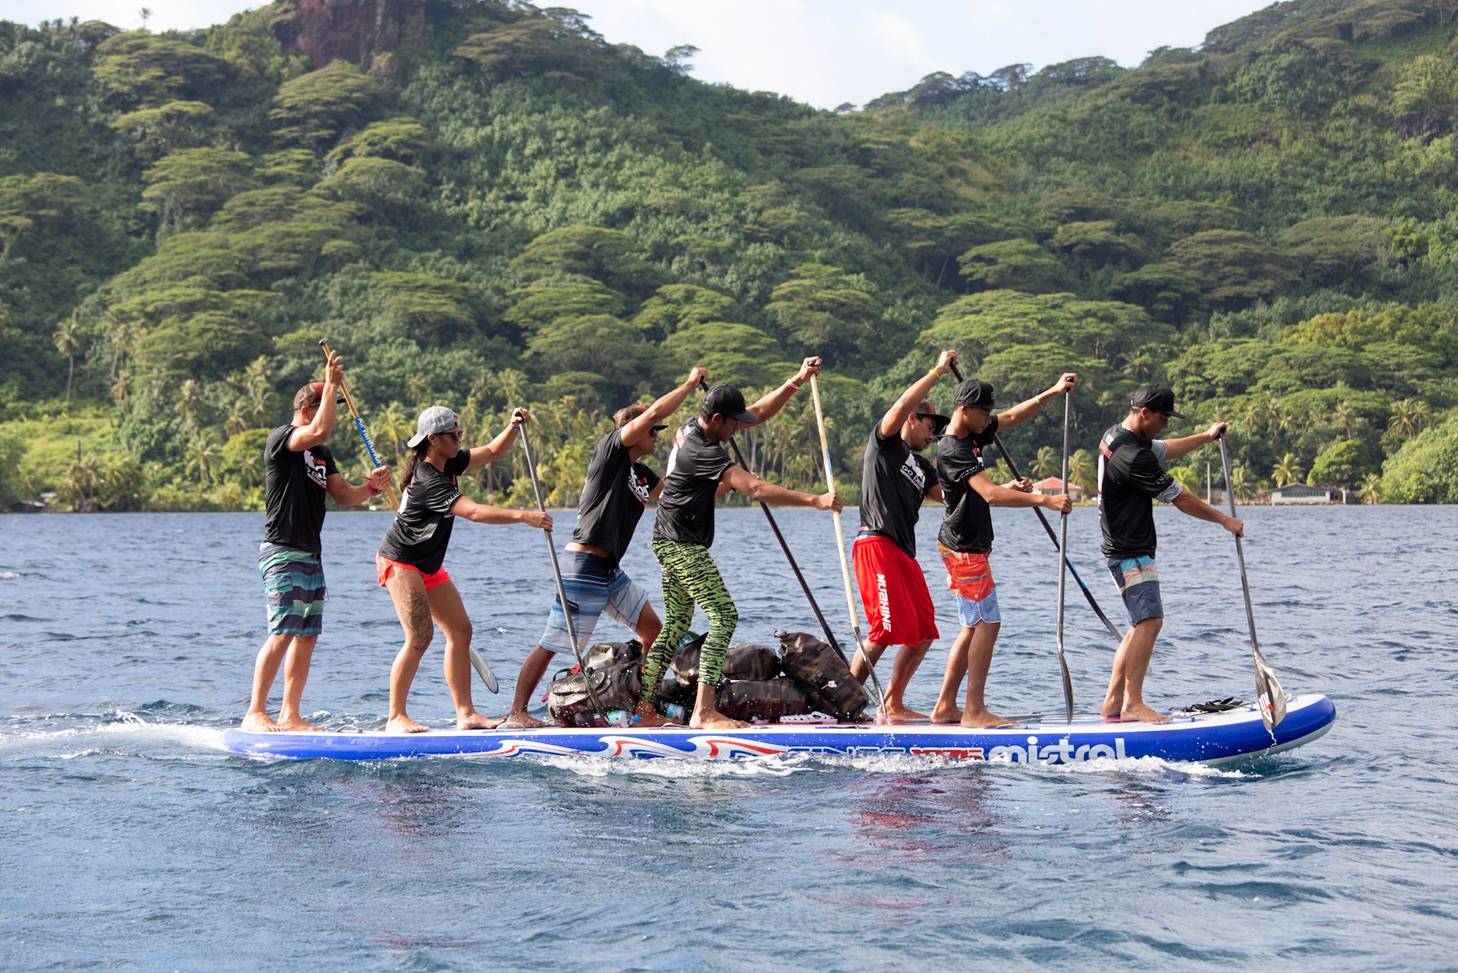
<point x="454" y="434"/>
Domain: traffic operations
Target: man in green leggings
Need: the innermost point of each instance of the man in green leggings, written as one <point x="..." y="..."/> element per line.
<point x="698" y="468"/>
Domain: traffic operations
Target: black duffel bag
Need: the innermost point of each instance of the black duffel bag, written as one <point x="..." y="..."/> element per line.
<point x="761" y="699"/>
<point x="823" y="675"/>
<point x="684" y="668"/>
<point x="751" y="663"/>
<point x="617" y="686"/>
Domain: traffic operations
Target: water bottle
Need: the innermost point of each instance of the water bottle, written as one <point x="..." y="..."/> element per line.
<point x="675" y="712"/>
<point x="619" y="717"/>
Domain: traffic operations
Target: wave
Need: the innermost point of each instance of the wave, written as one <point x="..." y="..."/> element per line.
<point x="122" y="731"/>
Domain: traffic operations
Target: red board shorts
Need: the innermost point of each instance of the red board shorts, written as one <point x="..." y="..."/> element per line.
<point x="383" y="567"/>
<point x="893" y="593"/>
<point x="970" y="576"/>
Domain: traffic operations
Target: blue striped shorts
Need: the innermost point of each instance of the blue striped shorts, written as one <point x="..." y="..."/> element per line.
<point x="293" y="589"/>
<point x="595" y="587"/>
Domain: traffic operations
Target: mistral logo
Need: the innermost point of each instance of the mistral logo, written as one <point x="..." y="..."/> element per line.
<point x="883" y="600"/>
<point x="1062" y="752"/>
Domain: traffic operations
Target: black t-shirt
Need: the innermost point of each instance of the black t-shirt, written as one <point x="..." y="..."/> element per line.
<point x="293" y="491"/>
<point x="894" y="480"/>
<point x="686" y="505"/>
<point x="422" y="527"/>
<point x="967" y="522"/>
<point x="1131" y="476"/>
<point x="613" y="497"/>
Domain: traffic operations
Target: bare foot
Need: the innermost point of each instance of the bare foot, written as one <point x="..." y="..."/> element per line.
<point x="475" y="721"/>
<point x="260" y="723"/>
<point x="714" y="720"/>
<point x="900" y="714"/>
<point x="1112" y="708"/>
<point x="404" y="724"/>
<point x="984" y="720"/>
<point x="947" y="715"/>
<point x="520" y="721"/>
<point x="648" y="716"/>
<point x="297" y="724"/>
<point x="1139" y="713"/>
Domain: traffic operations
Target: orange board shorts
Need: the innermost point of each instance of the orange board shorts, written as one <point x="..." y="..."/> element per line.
<point x="383" y="567"/>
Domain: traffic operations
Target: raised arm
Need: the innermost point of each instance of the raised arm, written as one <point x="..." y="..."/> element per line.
<point x="766" y="407"/>
<point x="322" y="425"/>
<point x="494" y="450"/>
<point x="742" y="481"/>
<point x="903" y="407"/>
<point x="666" y="405"/>
<point x="1027" y="408"/>
<point x="1184" y="444"/>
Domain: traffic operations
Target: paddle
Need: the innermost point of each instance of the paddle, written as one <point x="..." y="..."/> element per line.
<point x="845" y="574"/>
<point x="526" y="447"/>
<point x="784" y="546"/>
<point x="1268" y="690"/>
<point x="479" y="664"/>
<point x="1063" y="562"/>
<point x="1087" y="594"/>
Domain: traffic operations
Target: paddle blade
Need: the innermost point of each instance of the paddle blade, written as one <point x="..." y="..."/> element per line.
<point x="484" y="671"/>
<point x="1271" y="698"/>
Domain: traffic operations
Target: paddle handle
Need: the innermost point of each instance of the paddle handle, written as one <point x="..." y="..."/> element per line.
<point x="526" y="448"/>
<point x="1239" y="547"/>
<point x="845" y="572"/>
<point x="359" y="426"/>
<point x="1063" y="562"/>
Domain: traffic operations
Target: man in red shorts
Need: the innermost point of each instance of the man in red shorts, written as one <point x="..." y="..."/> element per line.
<point x="894" y="481"/>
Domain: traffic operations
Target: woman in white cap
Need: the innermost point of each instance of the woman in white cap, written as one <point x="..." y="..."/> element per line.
<point x="409" y="562"/>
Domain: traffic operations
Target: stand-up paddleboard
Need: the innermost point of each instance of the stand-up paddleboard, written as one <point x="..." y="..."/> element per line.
<point x="1211" y="738"/>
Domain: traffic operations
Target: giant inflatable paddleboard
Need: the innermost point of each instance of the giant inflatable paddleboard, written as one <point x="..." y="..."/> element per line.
<point x="1212" y="738"/>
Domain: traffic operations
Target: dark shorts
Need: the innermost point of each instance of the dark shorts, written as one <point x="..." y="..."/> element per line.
<point x="1137" y="579"/>
<point x="293" y="589"/>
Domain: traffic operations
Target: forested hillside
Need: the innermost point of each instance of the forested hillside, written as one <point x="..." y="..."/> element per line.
<point x="485" y="205"/>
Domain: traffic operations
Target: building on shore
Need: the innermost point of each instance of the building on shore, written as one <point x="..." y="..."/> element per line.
<point x="1052" y="486"/>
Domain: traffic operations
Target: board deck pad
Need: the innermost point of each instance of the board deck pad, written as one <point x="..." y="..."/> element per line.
<point x="1212" y="738"/>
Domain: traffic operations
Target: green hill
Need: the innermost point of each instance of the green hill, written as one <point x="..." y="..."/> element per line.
<point x="485" y="205"/>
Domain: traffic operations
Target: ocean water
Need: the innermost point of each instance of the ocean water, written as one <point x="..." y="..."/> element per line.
<point x="130" y="840"/>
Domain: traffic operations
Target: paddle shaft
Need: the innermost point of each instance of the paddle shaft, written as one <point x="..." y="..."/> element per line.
<point x="1063" y="563"/>
<point x="359" y="426"/>
<point x="1266" y="684"/>
<point x="845" y="573"/>
<point x="1042" y="519"/>
<point x="526" y="448"/>
<point x="785" y="547"/>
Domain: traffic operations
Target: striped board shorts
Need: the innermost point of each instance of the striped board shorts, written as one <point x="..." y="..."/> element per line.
<point x="293" y="589"/>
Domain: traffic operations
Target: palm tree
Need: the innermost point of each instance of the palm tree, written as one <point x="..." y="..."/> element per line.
<point x="258" y="387"/>
<point x="251" y="468"/>
<point x="1345" y="416"/>
<point x="1081" y="470"/>
<point x="1409" y="417"/>
<point x="1371" y="488"/>
<point x="188" y="398"/>
<point x="1047" y="463"/>
<point x="1287" y="471"/>
<point x="1238" y="482"/>
<point x="235" y="422"/>
<point x="67" y="344"/>
<point x="202" y="457"/>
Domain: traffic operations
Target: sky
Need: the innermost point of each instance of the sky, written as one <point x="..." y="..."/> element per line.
<point x="824" y="52"/>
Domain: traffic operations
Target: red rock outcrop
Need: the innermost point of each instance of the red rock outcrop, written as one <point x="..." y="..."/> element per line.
<point x="365" y="32"/>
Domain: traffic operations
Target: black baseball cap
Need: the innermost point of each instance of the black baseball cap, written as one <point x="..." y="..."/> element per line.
<point x="1155" y="398"/>
<point x="727" y="401"/>
<point x="973" y="394"/>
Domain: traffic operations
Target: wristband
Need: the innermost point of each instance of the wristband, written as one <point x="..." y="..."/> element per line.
<point x="792" y="385"/>
<point x="372" y="490"/>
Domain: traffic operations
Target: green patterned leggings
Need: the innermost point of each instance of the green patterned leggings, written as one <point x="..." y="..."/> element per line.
<point x="690" y="577"/>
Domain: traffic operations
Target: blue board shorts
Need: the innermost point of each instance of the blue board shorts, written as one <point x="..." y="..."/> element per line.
<point x="1137" y="579"/>
<point x="595" y="587"/>
<point x="293" y="589"/>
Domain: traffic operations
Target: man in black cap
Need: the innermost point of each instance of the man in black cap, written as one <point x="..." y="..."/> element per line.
<point x="618" y="487"/>
<point x="698" y="468"/>
<point x="894" y="482"/>
<point x="1133" y="473"/>
<point x="965" y="539"/>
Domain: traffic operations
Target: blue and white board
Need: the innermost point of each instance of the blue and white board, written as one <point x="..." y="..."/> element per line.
<point x="1209" y="738"/>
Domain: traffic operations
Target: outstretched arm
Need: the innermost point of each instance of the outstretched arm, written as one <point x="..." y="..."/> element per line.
<point x="1001" y="496"/>
<point x="903" y="407"/>
<point x="742" y="481"/>
<point x="494" y="450"/>
<point x="1195" y="507"/>
<point x="775" y="401"/>
<point x="347" y="494"/>
<point x="1184" y="444"/>
<point x="483" y="513"/>
<point x="1027" y="408"/>
<point x="666" y="405"/>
